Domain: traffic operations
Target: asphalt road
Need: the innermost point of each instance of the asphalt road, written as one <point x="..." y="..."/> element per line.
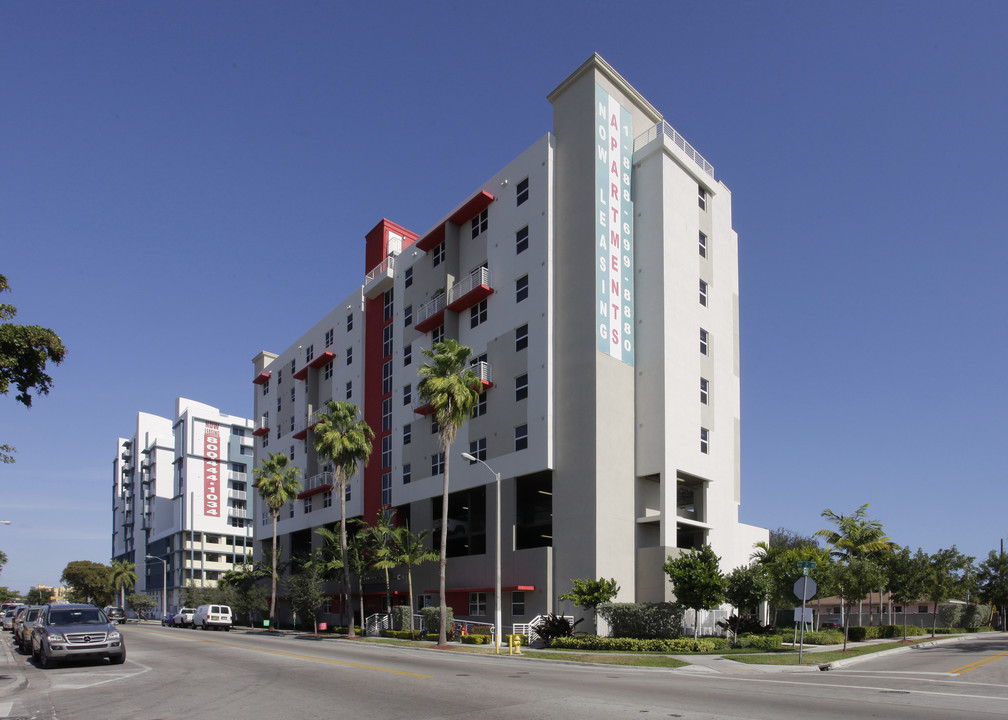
<point x="181" y="674"/>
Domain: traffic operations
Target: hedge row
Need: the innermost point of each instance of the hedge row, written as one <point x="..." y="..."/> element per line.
<point x="623" y="644"/>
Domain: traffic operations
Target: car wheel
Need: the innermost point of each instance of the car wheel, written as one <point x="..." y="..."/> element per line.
<point x="45" y="662"/>
<point x="118" y="659"/>
<point x="35" y="654"/>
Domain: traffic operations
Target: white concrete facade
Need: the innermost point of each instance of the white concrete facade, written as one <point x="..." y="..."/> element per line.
<point x="614" y="452"/>
<point x="180" y="492"/>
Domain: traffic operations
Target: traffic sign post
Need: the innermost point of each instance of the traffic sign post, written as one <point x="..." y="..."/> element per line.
<point x="805" y="588"/>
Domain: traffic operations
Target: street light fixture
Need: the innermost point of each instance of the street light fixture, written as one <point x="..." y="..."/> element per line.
<point x="497" y="554"/>
<point x="164" y="584"/>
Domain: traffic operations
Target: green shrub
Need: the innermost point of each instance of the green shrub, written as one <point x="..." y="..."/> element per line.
<point x="592" y="643"/>
<point x="432" y="620"/>
<point x="824" y="637"/>
<point x="896" y="631"/>
<point x="760" y="642"/>
<point x="344" y="630"/>
<point x="975" y="616"/>
<point x="401" y="634"/>
<point x="643" y="620"/>
<point x="401" y="617"/>
<point x="476" y="639"/>
<point x="950" y="614"/>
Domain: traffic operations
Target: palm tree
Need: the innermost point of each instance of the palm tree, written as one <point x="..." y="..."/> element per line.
<point x="384" y="548"/>
<point x="450" y="387"/>
<point x="855" y="537"/>
<point x="278" y="485"/>
<point x="331" y="557"/>
<point x="343" y="439"/>
<point x="411" y="550"/>
<point x="123" y="576"/>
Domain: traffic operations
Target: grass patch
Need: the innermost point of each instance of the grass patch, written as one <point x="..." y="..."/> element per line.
<point x="633" y="660"/>
<point x="790" y="657"/>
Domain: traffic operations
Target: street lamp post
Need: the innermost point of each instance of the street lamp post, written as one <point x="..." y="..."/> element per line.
<point x="497" y="554"/>
<point x="164" y="584"/>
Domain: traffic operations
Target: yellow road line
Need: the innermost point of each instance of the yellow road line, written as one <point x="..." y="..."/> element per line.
<point x="344" y="663"/>
<point x="978" y="663"/>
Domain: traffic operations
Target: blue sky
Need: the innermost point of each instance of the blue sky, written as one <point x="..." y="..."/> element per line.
<point x="184" y="184"/>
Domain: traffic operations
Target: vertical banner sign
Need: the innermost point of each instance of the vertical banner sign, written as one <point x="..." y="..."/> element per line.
<point x="613" y="228"/>
<point x="211" y="469"/>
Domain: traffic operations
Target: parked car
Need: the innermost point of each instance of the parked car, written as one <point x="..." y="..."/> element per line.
<point x="115" y="614"/>
<point x="23" y="625"/>
<point x="75" y="631"/>
<point x="167" y="619"/>
<point x="184" y="617"/>
<point x="8" y="619"/>
<point x="212" y="616"/>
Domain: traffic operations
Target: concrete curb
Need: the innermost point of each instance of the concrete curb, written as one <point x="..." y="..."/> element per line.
<point x="14" y="680"/>
<point x="839" y="664"/>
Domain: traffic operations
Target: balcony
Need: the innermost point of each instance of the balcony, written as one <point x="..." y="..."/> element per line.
<point x="472" y="207"/>
<point x="471" y="290"/>
<point x="262" y="428"/>
<point x="261" y="379"/>
<point x="236" y="476"/>
<point x="307" y="424"/>
<point x="241" y="513"/>
<point x="484" y="371"/>
<point x="423" y="409"/>
<point x="380" y="278"/>
<point x="237" y="494"/>
<point x="431" y="314"/>
<point x="320" y="483"/>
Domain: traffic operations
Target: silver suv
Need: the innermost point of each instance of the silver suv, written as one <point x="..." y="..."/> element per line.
<point x="72" y="631"/>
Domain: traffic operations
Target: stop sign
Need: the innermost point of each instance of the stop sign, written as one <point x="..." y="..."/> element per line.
<point x="805" y="588"/>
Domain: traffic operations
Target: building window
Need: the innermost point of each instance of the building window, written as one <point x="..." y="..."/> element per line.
<point x="266" y="387"/>
<point x="521" y="288"/>
<point x="701" y="197"/>
<point x="292" y="394"/>
<point x="704" y="440"/>
<point x="279" y="376"/>
<point x="704" y="391"/>
<point x="292" y="367"/>
<point x="703" y="245"/>
<point x="290" y="510"/>
<point x="349" y="390"/>
<point x="480" y="223"/>
<point x="408" y="277"/>
<point x="389" y="305"/>
<point x="521" y="338"/>
<point x="386" y="451"/>
<point x="386" y="489"/>
<point x="704" y="342"/>
<point x="480" y="408"/>
<point x="386" y="381"/>
<point x="386" y="414"/>
<point x="309" y="353"/>
<point x="407" y="316"/>
<point x="308" y="504"/>
<point x="703" y="293"/>
<point x="278" y="403"/>
<point x="517" y="603"/>
<point x="346" y="495"/>
<point x="386" y="347"/>
<point x="349" y="355"/>
<point x="434" y="427"/>
<point x="477" y="603"/>
<point x="407" y="355"/>
<point x="407" y="433"/>
<point x="478" y="314"/>
<point x="327" y="499"/>
<point x="521" y="437"/>
<point x="329" y="337"/>
<point x="477" y="448"/>
<point x="521" y="240"/>
<point x="521" y="192"/>
<point x="438" y="334"/>
<point x="292" y="425"/>
<point x="437" y="255"/>
<point x="437" y="463"/>
<point x="349" y="323"/>
<point x="407" y="473"/>
<point x="521" y="387"/>
<point x="407" y="394"/>
<point x="326" y="371"/>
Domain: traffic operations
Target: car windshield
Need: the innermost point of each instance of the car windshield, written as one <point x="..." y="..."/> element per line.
<point x="78" y="616"/>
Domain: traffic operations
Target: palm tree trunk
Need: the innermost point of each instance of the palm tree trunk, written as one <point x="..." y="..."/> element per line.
<point x="346" y="563"/>
<point x="409" y="576"/>
<point x="442" y="630"/>
<point x="274" y="582"/>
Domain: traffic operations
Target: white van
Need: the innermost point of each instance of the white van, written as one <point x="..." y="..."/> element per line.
<point x="212" y="616"/>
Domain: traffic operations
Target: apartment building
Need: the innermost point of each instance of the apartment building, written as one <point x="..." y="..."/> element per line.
<point x="595" y="277"/>
<point x="180" y="498"/>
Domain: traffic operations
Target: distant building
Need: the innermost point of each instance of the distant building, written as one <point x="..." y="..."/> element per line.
<point x="56" y="594"/>
<point x="596" y="279"/>
<point x="180" y="494"/>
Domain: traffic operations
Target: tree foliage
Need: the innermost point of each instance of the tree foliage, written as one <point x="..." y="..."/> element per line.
<point x="343" y="439"/>
<point x="123" y="576"/>
<point x="8" y="595"/>
<point x="38" y="596"/>
<point x="908" y="577"/>
<point x="992" y="582"/>
<point x="246" y="595"/>
<point x="588" y="594"/>
<point x="141" y="604"/>
<point x="450" y="387"/>
<point x="89" y="582"/>
<point x="412" y="551"/>
<point x="746" y="587"/>
<point x="951" y="574"/>
<point x="697" y="580"/>
<point x="24" y="352"/>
